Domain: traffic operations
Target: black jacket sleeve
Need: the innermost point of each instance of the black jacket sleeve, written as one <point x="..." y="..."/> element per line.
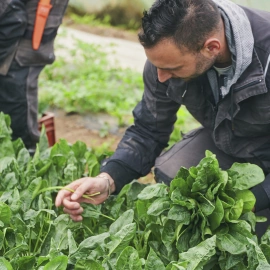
<point x="121" y="173"/>
<point x="154" y="118"/>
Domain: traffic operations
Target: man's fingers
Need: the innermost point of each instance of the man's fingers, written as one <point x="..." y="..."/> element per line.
<point x="62" y="194"/>
<point x="68" y="204"/>
<point x="80" y="187"/>
<point x="83" y="188"/>
<point x="76" y="218"/>
<point x="73" y="212"/>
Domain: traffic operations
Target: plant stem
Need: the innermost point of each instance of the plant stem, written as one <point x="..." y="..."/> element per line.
<point x="38" y="239"/>
<point x="29" y="242"/>
<point x="44" y="238"/>
<point x="88" y="196"/>
<point x="88" y="229"/>
<point x="107" y="217"/>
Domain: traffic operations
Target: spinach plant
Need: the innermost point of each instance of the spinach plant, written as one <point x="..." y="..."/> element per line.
<point x="203" y="220"/>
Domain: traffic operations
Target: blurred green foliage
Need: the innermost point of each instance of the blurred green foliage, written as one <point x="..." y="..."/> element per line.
<point x="87" y="82"/>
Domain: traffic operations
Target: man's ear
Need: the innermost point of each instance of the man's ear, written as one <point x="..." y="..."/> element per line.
<point x="211" y="47"/>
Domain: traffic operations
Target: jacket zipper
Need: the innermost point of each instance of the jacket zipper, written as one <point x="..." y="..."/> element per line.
<point x="247" y="85"/>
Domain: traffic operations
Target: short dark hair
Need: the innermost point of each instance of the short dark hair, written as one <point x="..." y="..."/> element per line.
<point x="187" y="22"/>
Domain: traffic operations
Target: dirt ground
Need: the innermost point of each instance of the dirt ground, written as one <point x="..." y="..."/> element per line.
<point x="87" y="128"/>
<point x="75" y="127"/>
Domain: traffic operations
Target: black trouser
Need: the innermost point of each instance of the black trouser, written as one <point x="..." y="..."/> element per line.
<point x="188" y="152"/>
<point x="19" y="99"/>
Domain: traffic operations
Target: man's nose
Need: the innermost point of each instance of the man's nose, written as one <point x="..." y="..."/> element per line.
<point x="163" y="75"/>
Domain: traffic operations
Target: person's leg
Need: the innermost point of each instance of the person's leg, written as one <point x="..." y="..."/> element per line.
<point x="32" y="104"/>
<point x="13" y="101"/>
<point x="261" y="227"/>
<point x="19" y="99"/>
<point x="188" y="152"/>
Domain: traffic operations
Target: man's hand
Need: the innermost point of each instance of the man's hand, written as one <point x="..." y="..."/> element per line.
<point x="102" y="184"/>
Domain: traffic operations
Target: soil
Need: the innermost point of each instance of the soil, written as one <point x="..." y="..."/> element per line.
<point x="88" y="128"/>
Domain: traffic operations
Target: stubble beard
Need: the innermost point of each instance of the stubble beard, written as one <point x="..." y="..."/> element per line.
<point x="203" y="64"/>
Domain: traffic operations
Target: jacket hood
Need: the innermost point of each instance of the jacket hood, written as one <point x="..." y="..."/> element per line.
<point x="3" y="6"/>
<point x="240" y="40"/>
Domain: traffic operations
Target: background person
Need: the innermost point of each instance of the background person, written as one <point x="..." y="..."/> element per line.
<point x="213" y="57"/>
<point x="21" y="64"/>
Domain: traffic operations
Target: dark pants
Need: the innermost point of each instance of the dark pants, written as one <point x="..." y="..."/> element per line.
<point x="19" y="99"/>
<point x="188" y="152"/>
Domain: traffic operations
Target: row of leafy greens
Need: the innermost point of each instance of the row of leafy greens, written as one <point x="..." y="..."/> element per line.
<point x="203" y="220"/>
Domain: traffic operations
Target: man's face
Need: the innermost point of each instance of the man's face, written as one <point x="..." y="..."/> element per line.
<point x="171" y="62"/>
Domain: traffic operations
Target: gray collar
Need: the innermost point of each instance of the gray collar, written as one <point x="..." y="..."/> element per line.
<point x="240" y="41"/>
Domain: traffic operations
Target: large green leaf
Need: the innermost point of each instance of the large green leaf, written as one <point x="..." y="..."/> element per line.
<point x="180" y="214"/>
<point x="168" y="234"/>
<point x="181" y="184"/>
<point x="248" y="199"/>
<point x="198" y="256"/>
<point x="206" y="206"/>
<point x="58" y="263"/>
<point x="266" y="251"/>
<point x="72" y="245"/>
<point x="256" y="257"/>
<point x="227" y="242"/>
<point x="24" y="262"/>
<point x="153" y="262"/>
<point x="217" y="216"/>
<point x="122" y="238"/>
<point x="125" y="219"/>
<point x="229" y="261"/>
<point x="4" y="264"/>
<point x="183" y="239"/>
<point x="93" y="165"/>
<point x="158" y="207"/>
<point x="6" y="148"/>
<point x="5" y="213"/>
<point x="129" y="260"/>
<point x="153" y="191"/>
<point x="89" y="244"/>
<point x="5" y="163"/>
<point x="208" y="171"/>
<point x="235" y="211"/>
<point x="88" y="265"/>
<point x="245" y="175"/>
